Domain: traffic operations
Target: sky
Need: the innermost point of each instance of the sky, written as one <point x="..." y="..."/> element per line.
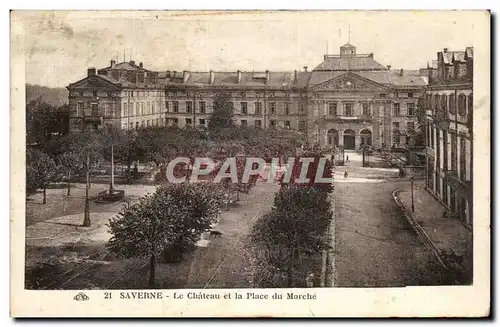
<point x="61" y="45"/>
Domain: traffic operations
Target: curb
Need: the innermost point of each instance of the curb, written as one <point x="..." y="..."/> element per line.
<point x="328" y="256"/>
<point x="420" y="231"/>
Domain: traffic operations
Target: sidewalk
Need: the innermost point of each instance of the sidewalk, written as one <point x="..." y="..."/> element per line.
<point x="451" y="240"/>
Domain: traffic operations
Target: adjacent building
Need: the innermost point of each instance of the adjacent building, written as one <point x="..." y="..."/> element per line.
<point x="348" y="100"/>
<point x="449" y="108"/>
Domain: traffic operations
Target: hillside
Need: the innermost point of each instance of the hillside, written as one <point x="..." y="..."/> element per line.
<point x="54" y="96"/>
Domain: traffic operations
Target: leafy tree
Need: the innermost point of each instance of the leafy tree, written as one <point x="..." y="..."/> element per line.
<point x="222" y="115"/>
<point x="40" y="171"/>
<point x="44" y="121"/>
<point x="294" y="228"/>
<point x="172" y="219"/>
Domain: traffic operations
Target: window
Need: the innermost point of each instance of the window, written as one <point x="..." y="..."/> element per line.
<point x="244" y="122"/>
<point x="107" y="109"/>
<point x="137" y="109"/>
<point x="436" y="102"/>
<point x="231" y="106"/>
<point x="454" y="151"/>
<point x="125" y="109"/>
<point x="395" y="125"/>
<point x="445" y="150"/>
<point x="202" y="121"/>
<point x="189" y="121"/>
<point x="137" y="125"/>
<point x="451" y="104"/>
<point x="411" y="108"/>
<point x="142" y="108"/>
<point x="189" y="107"/>
<point x="463" y="160"/>
<point x="148" y="110"/>
<point x="272" y="123"/>
<point x="258" y="123"/>
<point x="287" y="108"/>
<point x="175" y="105"/>
<point x="167" y="106"/>
<point x="244" y="108"/>
<point x="366" y="109"/>
<point x="302" y="125"/>
<point x="410" y="94"/>
<point x="462" y="105"/>
<point x="202" y="107"/>
<point x="175" y="121"/>
<point x="272" y="108"/>
<point x="348" y="109"/>
<point x="395" y="109"/>
<point x="153" y="107"/>
<point x="382" y="95"/>
<point x="470" y="104"/>
<point x="258" y="108"/>
<point x="303" y="109"/>
<point x="287" y="124"/>
<point x="79" y="108"/>
<point x="94" y="107"/>
<point x="444" y="102"/>
<point x="410" y="126"/>
<point x="332" y="108"/>
<point x="147" y="123"/>
<point x="94" y="94"/>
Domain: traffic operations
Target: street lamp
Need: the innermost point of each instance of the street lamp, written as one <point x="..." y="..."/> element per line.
<point x="412" y="201"/>
<point x="86" y="212"/>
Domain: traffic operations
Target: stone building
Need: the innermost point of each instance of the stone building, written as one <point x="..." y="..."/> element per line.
<point x="348" y="100"/>
<point x="449" y="109"/>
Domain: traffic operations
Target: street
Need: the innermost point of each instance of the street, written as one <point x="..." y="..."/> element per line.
<point x="375" y="246"/>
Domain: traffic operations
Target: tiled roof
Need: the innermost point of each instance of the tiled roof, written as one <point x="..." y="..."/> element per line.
<point x="349" y="63"/>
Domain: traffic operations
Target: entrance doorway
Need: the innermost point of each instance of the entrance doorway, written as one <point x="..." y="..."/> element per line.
<point x="366" y="137"/>
<point x="349" y="139"/>
<point x="332" y="137"/>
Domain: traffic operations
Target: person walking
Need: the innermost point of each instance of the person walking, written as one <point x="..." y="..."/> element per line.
<point x="347" y="159"/>
<point x="345" y="174"/>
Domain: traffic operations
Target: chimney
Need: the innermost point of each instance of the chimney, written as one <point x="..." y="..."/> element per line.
<point x="268" y="76"/>
<point x="401" y="72"/>
<point x="212" y="77"/>
<point x="445" y="50"/>
<point x="295" y="76"/>
<point x="185" y="76"/>
<point x="140" y="64"/>
<point x="112" y="63"/>
<point x="132" y="62"/>
<point x="389" y="67"/>
<point x="305" y="68"/>
<point x="370" y="55"/>
<point x="238" y="75"/>
<point x="91" y="71"/>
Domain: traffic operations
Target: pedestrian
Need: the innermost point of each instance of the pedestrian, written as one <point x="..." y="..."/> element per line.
<point x="347" y="159"/>
<point x="345" y="174"/>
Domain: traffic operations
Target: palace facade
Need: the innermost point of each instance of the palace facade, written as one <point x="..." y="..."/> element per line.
<point x="449" y="111"/>
<point x="348" y="100"/>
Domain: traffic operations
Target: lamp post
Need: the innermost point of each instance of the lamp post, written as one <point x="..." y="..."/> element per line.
<point x="412" y="201"/>
<point x="86" y="210"/>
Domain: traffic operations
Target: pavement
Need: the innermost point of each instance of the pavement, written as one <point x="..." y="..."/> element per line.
<point x="451" y="239"/>
<point x="375" y="246"/>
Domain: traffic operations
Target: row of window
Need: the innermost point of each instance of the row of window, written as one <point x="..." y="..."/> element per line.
<point x="410" y="107"/>
<point x="410" y="126"/>
<point x="243" y="107"/>
<point x="142" y="108"/>
<point x="450" y="103"/>
<point x="144" y="93"/>
<point x="452" y="150"/>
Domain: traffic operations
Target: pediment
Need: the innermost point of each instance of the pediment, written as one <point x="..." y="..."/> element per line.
<point x="349" y="82"/>
<point x="95" y="82"/>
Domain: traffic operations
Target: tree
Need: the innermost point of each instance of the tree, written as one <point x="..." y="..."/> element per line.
<point x="44" y="121"/>
<point x="173" y="218"/>
<point x="40" y="171"/>
<point x="222" y="115"/>
<point x="294" y="228"/>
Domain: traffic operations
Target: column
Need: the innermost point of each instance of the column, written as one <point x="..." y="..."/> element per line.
<point x="357" y="139"/>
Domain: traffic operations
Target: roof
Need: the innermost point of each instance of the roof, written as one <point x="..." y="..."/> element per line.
<point x="450" y="56"/>
<point x="347" y="45"/>
<point x="410" y="78"/>
<point x="349" y="63"/>
<point x="126" y="65"/>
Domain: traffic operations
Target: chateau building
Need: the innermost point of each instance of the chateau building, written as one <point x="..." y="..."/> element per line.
<point x="348" y="100"/>
<point x="449" y="110"/>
